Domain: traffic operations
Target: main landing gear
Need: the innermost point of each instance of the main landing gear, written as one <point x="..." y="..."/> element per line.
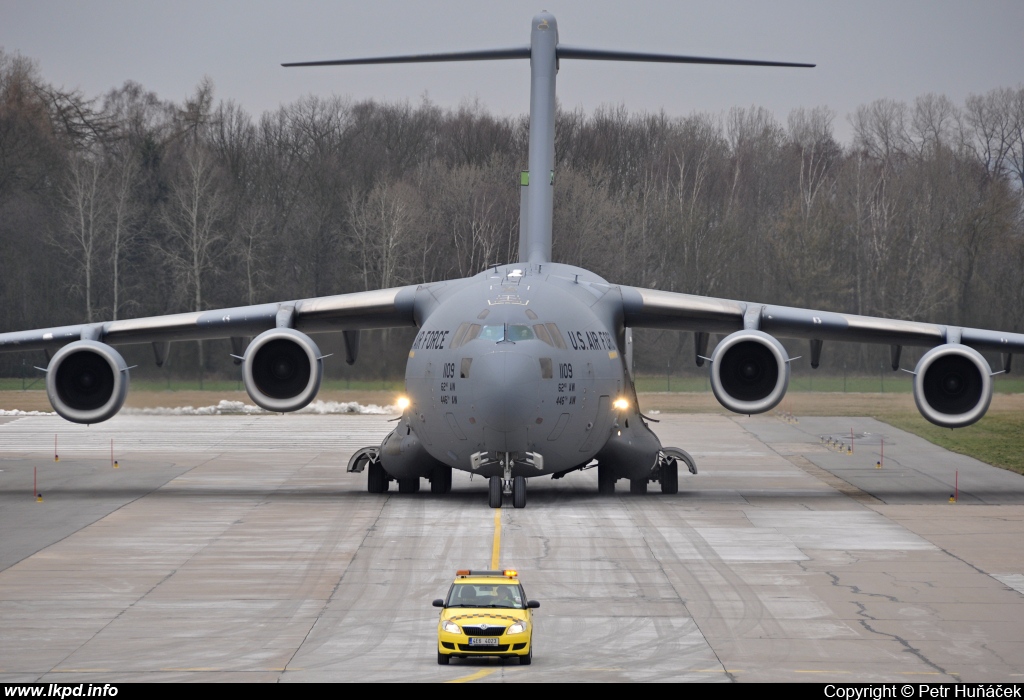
<point x="378" y="480"/>
<point x="665" y="472"/>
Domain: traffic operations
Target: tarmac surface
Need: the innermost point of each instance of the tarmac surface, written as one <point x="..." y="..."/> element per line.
<point x="236" y="548"/>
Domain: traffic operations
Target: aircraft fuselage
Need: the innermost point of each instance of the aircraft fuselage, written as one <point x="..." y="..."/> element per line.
<point x="520" y="359"/>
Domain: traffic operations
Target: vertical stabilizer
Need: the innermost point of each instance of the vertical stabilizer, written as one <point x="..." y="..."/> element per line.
<point x="537" y="184"/>
<point x="535" y="236"/>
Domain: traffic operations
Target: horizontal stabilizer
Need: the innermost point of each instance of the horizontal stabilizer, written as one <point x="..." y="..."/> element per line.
<point x="484" y="55"/>
<point x="603" y="55"/>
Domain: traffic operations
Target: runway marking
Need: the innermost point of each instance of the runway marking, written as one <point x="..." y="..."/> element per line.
<point x="473" y="676"/>
<point x="496" y="547"/>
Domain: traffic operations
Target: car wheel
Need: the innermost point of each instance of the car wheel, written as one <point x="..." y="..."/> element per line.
<point x="494" y="492"/>
<point x="527" y="658"/>
<point x="376" y="478"/>
<point x="519" y="492"/>
<point x="605" y="480"/>
<point x="443" y="659"/>
<point x="638" y="485"/>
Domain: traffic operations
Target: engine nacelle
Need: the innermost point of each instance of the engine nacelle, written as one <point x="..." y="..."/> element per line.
<point x="952" y="385"/>
<point x="282" y="369"/>
<point x="749" y="372"/>
<point x="87" y="382"/>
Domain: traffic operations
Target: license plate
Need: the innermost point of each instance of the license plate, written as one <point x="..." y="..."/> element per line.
<point x="483" y="641"/>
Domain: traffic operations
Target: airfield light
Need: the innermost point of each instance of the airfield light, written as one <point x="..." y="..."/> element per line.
<point x="403" y="403"/>
<point x="620" y="404"/>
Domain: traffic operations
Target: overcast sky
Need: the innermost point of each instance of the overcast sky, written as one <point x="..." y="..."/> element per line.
<point x="865" y="50"/>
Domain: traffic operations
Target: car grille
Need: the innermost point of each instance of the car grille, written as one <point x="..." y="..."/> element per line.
<point x="491" y="631"/>
<point x="482" y="649"/>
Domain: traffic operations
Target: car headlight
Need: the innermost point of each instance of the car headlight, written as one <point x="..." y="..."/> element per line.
<point x="450" y="627"/>
<point x="516" y="628"/>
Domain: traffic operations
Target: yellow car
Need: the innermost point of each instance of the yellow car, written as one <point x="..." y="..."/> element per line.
<point x="486" y="613"/>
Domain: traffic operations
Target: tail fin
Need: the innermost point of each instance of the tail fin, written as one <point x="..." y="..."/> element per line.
<point x="544" y="52"/>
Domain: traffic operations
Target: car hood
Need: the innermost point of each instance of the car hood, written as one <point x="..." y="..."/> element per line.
<point x="480" y="616"/>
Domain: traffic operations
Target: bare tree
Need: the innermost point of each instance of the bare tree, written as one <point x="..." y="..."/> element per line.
<point x="382" y="224"/>
<point x="193" y="217"/>
<point x="86" y="215"/>
<point x="124" y="212"/>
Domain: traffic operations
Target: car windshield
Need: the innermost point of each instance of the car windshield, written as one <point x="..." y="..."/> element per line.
<point x="485" y="595"/>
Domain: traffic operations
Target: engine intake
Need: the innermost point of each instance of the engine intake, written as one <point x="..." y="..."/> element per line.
<point x="87" y="382"/>
<point x="282" y="369"/>
<point x="749" y="372"/>
<point x="952" y="385"/>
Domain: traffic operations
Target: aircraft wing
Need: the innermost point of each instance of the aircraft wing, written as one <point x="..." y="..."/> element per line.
<point x="382" y="308"/>
<point x="87" y="379"/>
<point x="750" y="368"/>
<point x="651" y="308"/>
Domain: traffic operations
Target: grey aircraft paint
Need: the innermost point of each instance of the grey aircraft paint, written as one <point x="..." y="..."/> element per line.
<point x="523" y="370"/>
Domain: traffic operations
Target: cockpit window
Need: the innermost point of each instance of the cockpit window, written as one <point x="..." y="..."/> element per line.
<point x="556" y="336"/>
<point x="495" y="333"/>
<point x="460" y="334"/>
<point x="542" y="333"/>
<point x="519" y="333"/>
<point x="503" y="333"/>
<point x="472" y="333"/>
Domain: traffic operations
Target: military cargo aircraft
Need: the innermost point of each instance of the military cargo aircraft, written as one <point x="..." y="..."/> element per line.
<point x="524" y="369"/>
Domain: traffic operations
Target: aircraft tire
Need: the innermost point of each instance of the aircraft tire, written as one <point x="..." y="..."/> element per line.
<point x="376" y="478"/>
<point x="670" y="476"/>
<point x="519" y="493"/>
<point x="443" y="659"/>
<point x="494" y="492"/>
<point x="410" y="485"/>
<point x="638" y="486"/>
<point x="605" y="480"/>
<point x="441" y="479"/>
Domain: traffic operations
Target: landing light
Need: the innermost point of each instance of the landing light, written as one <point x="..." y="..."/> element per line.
<point x="403" y="403"/>
<point x="620" y="404"/>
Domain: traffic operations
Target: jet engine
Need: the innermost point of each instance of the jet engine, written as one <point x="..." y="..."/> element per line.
<point x="282" y="369"/>
<point x="749" y="372"/>
<point x="87" y="381"/>
<point x="952" y="385"/>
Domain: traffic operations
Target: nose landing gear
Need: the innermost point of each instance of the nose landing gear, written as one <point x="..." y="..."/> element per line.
<point x="499" y="486"/>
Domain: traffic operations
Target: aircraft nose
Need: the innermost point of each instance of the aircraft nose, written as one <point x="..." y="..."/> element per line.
<point x="507" y="393"/>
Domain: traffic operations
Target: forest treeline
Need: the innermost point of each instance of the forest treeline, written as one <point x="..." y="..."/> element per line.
<point x="127" y="205"/>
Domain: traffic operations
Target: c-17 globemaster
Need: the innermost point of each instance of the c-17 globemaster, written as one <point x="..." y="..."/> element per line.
<point x="525" y="369"/>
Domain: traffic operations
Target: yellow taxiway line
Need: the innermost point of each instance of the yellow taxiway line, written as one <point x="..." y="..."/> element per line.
<point x="496" y="547"/>
<point x="473" y="676"/>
